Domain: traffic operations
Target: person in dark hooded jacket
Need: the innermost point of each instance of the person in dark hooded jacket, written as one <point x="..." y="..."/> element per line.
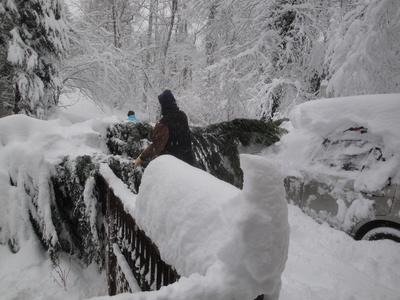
<point x="171" y="135"/>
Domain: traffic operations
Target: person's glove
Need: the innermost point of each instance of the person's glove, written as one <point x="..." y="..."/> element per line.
<point x="137" y="162"/>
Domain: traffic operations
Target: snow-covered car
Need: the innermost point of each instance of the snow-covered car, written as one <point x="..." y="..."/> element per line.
<point x="346" y="172"/>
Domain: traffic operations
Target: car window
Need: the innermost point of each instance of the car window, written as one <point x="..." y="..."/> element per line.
<point x="351" y="148"/>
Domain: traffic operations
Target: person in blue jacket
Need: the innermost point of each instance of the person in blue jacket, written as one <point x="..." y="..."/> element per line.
<point x="131" y="116"/>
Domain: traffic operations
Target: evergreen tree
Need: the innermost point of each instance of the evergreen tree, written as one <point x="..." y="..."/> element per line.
<point x="32" y="42"/>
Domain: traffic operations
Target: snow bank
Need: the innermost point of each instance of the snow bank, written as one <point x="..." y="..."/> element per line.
<point x="29" y="274"/>
<point x="227" y="243"/>
<point x="29" y="150"/>
<point x="177" y="206"/>
<point x="325" y="263"/>
<point x="76" y="107"/>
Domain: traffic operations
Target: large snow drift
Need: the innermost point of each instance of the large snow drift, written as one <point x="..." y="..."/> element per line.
<point x="29" y="151"/>
<point x="226" y="243"/>
<point x="327" y="264"/>
<point x="30" y="274"/>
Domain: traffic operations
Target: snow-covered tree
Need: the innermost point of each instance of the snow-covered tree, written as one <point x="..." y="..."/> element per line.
<point x="226" y="59"/>
<point x="261" y="55"/>
<point x="124" y="53"/>
<point x="32" y="42"/>
<point x="363" y="56"/>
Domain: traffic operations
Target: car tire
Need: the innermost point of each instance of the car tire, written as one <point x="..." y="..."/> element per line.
<point x="381" y="233"/>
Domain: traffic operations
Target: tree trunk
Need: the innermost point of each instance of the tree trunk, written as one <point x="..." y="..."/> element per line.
<point x="171" y="27"/>
<point x="182" y="38"/>
<point x="148" y="53"/>
<point x="210" y="41"/>
<point x="17" y="99"/>
<point x="117" y="42"/>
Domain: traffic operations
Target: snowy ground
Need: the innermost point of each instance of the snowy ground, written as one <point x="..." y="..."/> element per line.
<point x="29" y="274"/>
<point x="323" y="263"/>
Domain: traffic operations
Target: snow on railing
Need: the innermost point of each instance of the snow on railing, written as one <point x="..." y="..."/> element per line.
<point x="225" y="242"/>
<point x="129" y="251"/>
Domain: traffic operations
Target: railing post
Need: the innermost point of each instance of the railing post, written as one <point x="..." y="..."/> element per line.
<point x="159" y="273"/>
<point x="152" y="268"/>
<point x="111" y="262"/>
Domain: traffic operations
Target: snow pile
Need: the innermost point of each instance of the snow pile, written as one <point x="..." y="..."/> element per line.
<point x="226" y="243"/>
<point x="76" y="107"/>
<point x="325" y="263"/>
<point x="29" y="151"/>
<point x="177" y="206"/>
<point x="30" y="274"/>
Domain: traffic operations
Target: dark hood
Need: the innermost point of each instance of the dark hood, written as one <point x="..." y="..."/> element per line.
<point x="167" y="102"/>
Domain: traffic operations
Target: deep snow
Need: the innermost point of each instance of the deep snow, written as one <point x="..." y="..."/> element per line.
<point x="205" y="226"/>
<point x="29" y="274"/>
<point x="323" y="263"/>
<point x="327" y="264"/>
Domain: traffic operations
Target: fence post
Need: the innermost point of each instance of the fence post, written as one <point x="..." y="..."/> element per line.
<point x="111" y="262"/>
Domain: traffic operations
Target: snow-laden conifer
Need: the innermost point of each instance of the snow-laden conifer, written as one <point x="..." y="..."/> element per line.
<point x="33" y="41"/>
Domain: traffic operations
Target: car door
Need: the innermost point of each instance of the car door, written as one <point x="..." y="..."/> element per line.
<point x="294" y="190"/>
<point x="383" y="199"/>
<point x="319" y="202"/>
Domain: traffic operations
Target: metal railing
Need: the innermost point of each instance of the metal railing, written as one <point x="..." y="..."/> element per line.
<point x="139" y="252"/>
<point x="129" y="252"/>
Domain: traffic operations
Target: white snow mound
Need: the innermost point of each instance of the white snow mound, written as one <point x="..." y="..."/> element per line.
<point x="226" y="243"/>
<point x="29" y="150"/>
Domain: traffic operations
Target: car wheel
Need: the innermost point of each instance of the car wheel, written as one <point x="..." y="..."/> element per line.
<point x="381" y="233"/>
